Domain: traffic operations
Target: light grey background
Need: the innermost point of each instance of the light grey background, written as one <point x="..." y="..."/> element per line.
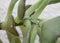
<point x="49" y="12"/>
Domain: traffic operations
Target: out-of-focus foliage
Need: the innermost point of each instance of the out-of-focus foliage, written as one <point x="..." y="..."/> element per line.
<point x="0" y="41"/>
<point x="50" y="30"/>
<point x="29" y="23"/>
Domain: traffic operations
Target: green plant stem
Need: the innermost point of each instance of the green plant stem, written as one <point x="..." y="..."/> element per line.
<point x="27" y="7"/>
<point x="30" y="10"/>
<point x="7" y="25"/>
<point x="26" y="38"/>
<point x="10" y="9"/>
<point x="12" y="38"/>
<point x="17" y="20"/>
<point x="33" y="33"/>
<point x="21" y="9"/>
<point x="43" y="4"/>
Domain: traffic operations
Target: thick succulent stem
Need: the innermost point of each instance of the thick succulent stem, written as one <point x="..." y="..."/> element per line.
<point x="21" y="9"/>
<point x="12" y="38"/>
<point x="33" y="33"/>
<point x="30" y="10"/>
<point x="18" y="21"/>
<point x="43" y="4"/>
<point x="26" y="37"/>
<point x="7" y="25"/>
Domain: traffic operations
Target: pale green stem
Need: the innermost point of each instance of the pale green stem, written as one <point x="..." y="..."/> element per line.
<point x="40" y="9"/>
<point x="30" y="10"/>
<point x="21" y="9"/>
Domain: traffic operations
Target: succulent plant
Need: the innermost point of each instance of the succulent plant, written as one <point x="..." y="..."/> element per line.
<point x="30" y="24"/>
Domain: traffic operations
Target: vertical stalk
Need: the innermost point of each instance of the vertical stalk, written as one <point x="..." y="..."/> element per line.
<point x="7" y="25"/>
<point x="21" y="9"/>
<point x="30" y="10"/>
<point x="10" y="9"/>
<point x="40" y="9"/>
<point x="12" y="38"/>
<point x="26" y="38"/>
<point x="21" y="12"/>
<point x="33" y="33"/>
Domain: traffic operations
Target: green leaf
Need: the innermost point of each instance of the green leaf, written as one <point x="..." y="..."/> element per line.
<point x="50" y="30"/>
<point x="33" y="33"/>
<point x="43" y="4"/>
<point x="21" y="9"/>
<point x="12" y="38"/>
<point x="41" y="7"/>
<point x="30" y="10"/>
<point x="9" y="12"/>
<point x="17" y="19"/>
<point x="39" y="31"/>
<point x="7" y="25"/>
<point x="23" y="29"/>
<point x="27" y="6"/>
<point x="26" y="38"/>
<point x="54" y="1"/>
<point x="10" y="9"/>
